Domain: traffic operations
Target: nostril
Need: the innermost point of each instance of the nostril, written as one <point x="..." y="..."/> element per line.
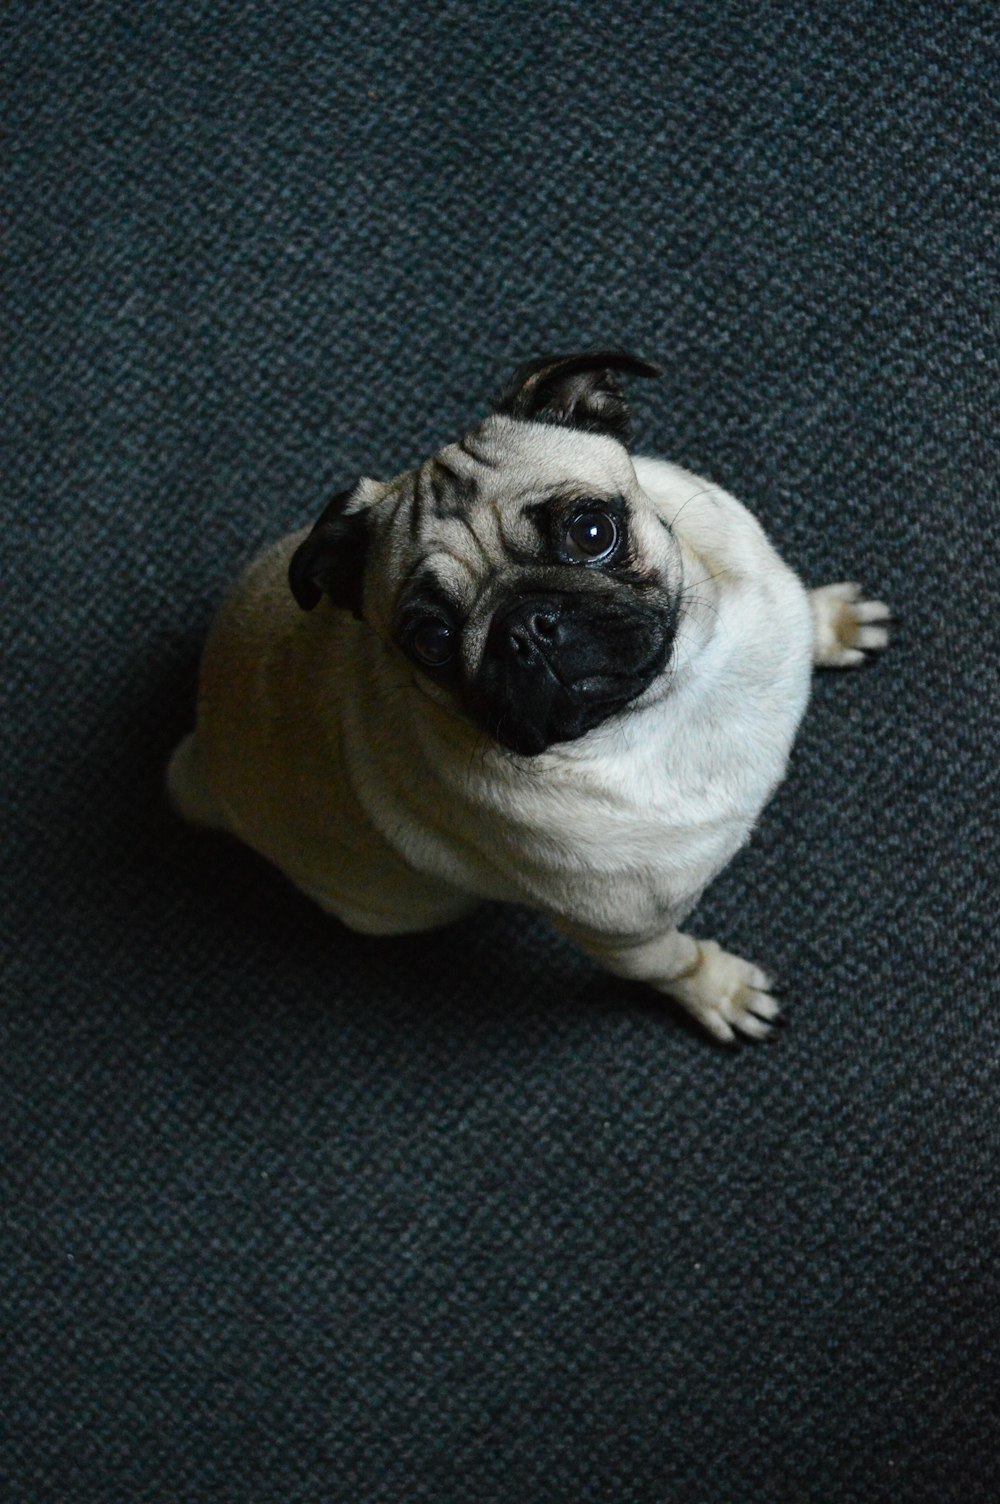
<point x="542" y="624"/>
<point x="525" y="629"/>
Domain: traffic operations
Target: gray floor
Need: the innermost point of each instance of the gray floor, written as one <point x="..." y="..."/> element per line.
<point x="291" y="1215"/>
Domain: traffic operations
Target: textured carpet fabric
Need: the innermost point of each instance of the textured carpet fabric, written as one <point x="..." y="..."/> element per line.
<point x="293" y="1216"/>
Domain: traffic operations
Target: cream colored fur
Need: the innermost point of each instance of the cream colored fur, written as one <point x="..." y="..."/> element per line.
<point x="319" y="745"/>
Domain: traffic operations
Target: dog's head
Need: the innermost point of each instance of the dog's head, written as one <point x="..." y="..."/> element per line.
<point x="522" y="572"/>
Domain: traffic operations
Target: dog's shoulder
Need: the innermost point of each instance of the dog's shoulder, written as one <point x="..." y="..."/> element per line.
<point x="709" y="519"/>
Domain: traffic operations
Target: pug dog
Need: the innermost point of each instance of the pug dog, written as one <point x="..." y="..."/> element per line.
<point x="532" y="669"/>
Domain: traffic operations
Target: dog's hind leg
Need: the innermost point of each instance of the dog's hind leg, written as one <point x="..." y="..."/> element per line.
<point x="187" y="790"/>
<point x="845" y="626"/>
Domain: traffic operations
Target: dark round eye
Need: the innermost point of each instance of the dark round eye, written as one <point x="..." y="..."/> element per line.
<point x="591" y="535"/>
<point x="432" y="641"/>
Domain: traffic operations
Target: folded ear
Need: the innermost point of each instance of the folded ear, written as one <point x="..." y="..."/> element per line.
<point x="331" y="560"/>
<point x="575" y="391"/>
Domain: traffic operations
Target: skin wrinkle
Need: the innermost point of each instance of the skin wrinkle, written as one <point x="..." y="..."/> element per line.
<point x="484" y="552"/>
<point x="436" y="490"/>
<point x="400" y="503"/>
<point x="417" y="510"/>
<point x="458" y="477"/>
<point x="480" y="458"/>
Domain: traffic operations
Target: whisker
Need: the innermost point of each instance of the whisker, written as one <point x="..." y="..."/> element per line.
<point x="699" y="600"/>
<point x="703" y="492"/>
<point x="693" y="584"/>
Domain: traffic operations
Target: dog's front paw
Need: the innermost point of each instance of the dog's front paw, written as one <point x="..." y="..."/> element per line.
<point x="726" y="994"/>
<point x="846" y="626"/>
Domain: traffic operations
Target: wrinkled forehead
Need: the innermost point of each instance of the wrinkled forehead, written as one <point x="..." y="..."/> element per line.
<point x="473" y="503"/>
<point x="542" y="457"/>
<point x="469" y="512"/>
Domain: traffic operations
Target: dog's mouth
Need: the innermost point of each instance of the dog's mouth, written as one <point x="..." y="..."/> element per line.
<point x="553" y="671"/>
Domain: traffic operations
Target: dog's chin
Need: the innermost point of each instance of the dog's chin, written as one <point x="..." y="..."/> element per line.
<point x="566" y="724"/>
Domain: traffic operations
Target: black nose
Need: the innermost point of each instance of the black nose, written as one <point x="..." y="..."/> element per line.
<point x="524" y="628"/>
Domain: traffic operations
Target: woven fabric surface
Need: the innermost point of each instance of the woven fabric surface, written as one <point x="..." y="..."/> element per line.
<point x="290" y="1215"/>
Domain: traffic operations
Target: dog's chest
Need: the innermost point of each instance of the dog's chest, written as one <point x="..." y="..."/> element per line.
<point x="632" y="824"/>
<point x="618" y="835"/>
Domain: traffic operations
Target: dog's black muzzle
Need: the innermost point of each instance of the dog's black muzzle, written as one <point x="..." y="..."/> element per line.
<point x="557" y="665"/>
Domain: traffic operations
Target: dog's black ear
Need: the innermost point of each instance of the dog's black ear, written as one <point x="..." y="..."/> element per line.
<point x="331" y="561"/>
<point x="575" y="391"/>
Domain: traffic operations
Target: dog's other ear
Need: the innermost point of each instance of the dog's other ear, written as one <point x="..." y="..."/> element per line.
<point x="575" y="391"/>
<point x="331" y="560"/>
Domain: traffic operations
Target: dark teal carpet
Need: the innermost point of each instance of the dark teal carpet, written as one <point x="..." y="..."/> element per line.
<point x="293" y="1216"/>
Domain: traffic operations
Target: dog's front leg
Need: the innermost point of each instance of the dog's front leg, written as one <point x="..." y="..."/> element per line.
<point x="846" y="626"/>
<point x="727" y="995"/>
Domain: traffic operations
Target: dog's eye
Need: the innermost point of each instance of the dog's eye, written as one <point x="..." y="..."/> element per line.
<point x="591" y="536"/>
<point x="432" y="641"/>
